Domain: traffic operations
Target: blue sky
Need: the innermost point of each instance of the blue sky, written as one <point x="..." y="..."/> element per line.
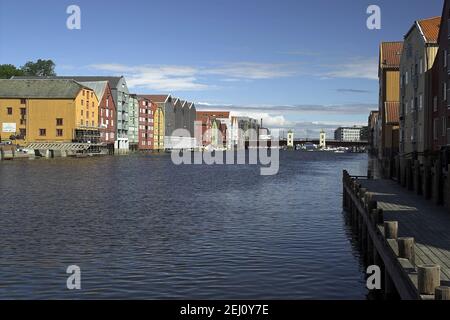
<point x="296" y="63"/>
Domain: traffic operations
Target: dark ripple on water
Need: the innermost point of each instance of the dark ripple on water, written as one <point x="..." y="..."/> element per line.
<point x="140" y="227"/>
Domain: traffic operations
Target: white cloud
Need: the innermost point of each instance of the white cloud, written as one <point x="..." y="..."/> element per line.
<point x="357" y="68"/>
<point x="338" y="109"/>
<point x="162" y="78"/>
<point x="252" y="70"/>
<point x="187" y="78"/>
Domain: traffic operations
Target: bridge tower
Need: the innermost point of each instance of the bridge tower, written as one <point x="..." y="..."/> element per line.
<point x="290" y="139"/>
<point x="323" y="140"/>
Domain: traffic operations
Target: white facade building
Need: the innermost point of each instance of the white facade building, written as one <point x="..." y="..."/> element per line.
<point x="348" y="134"/>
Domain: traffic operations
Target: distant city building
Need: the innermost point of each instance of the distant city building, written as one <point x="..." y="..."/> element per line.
<point x="243" y="129"/>
<point x="349" y="134"/>
<point x="225" y="123"/>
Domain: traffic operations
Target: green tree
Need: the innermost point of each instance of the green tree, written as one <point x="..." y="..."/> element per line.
<point x="40" y="68"/>
<point x="8" y="70"/>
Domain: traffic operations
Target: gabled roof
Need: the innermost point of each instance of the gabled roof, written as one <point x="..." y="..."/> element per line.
<point x="390" y="54"/>
<point x="113" y="81"/>
<point x="40" y="89"/>
<point x="392" y="110"/>
<point x="430" y="28"/>
<point x="99" y="87"/>
<point x="157" y="98"/>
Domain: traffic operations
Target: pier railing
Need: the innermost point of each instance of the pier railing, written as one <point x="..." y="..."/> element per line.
<point x="381" y="246"/>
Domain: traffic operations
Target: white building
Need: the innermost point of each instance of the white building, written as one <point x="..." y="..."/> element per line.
<point x="348" y="134"/>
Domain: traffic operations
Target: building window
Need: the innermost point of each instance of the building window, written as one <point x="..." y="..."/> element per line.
<point x="59" y="132"/>
<point x="82" y="102"/>
<point x="420" y="102"/>
<point x="9" y="111"/>
<point x="23" y="101"/>
<point x="406" y="78"/>
<point x="87" y="123"/>
<point x="83" y="92"/>
<point x="93" y="104"/>
<point x="23" y="111"/>
<point x="93" y="124"/>
<point x="59" y="121"/>
<point x="421" y="66"/>
<point x="435" y="102"/>
<point x="42" y="132"/>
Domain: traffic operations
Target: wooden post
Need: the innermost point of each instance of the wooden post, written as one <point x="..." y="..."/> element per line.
<point x="369" y="251"/>
<point x="409" y="183"/>
<point x="372" y="205"/>
<point x="429" y="278"/>
<point x="442" y="293"/>
<point x="373" y="217"/>
<point x="362" y="194"/>
<point x="427" y="179"/>
<point x="363" y="240"/>
<point x="437" y="187"/>
<point x="380" y="216"/>
<point x="406" y="249"/>
<point x="390" y="229"/>
<point x="417" y="180"/>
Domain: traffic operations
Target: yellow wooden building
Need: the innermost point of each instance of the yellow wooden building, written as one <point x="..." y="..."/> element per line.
<point x="43" y="110"/>
<point x="158" y="129"/>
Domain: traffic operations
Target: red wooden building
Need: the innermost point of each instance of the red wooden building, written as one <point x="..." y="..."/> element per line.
<point x="146" y="112"/>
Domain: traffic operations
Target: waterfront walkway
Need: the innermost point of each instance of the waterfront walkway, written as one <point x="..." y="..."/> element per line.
<point x="427" y="223"/>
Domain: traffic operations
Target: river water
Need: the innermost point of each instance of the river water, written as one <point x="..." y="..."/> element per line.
<point x="140" y="227"/>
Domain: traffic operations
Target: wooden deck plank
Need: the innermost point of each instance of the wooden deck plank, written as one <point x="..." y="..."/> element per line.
<point x="418" y="218"/>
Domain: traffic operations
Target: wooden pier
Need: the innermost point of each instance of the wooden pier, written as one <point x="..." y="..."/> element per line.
<point x="405" y="235"/>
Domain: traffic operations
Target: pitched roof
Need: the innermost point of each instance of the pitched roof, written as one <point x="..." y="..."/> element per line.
<point x="157" y="98"/>
<point x="390" y="54"/>
<point x="99" y="87"/>
<point x="430" y="28"/>
<point x="40" y="89"/>
<point x="392" y="110"/>
<point x="113" y="81"/>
